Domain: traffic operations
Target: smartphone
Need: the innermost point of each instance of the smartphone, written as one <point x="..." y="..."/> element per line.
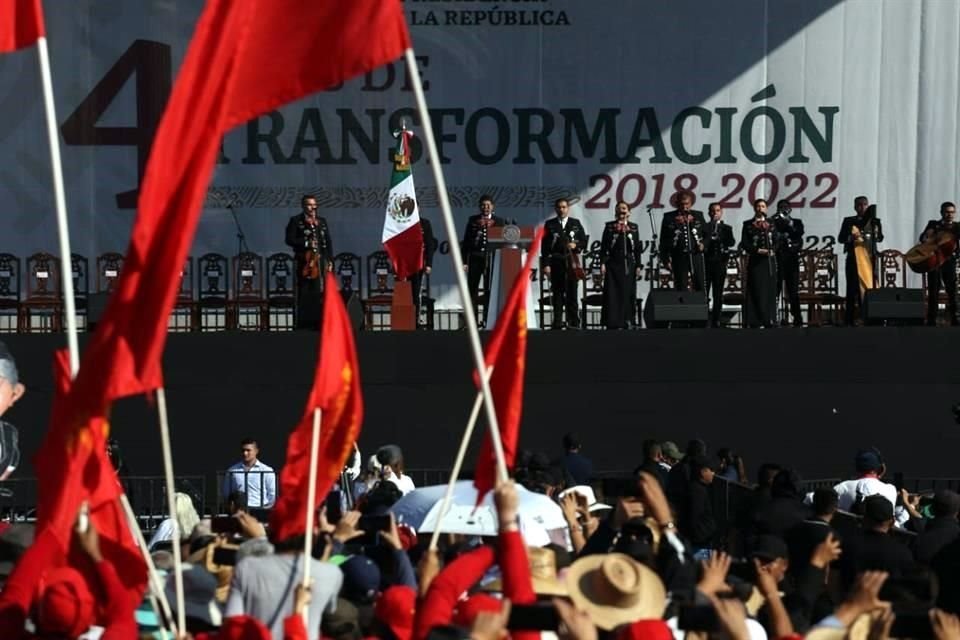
<point x="225" y="556"/>
<point x="533" y="617"/>
<point x="370" y="524"/>
<point x="334" y="504"/>
<point x="224" y="524"/>
<point x="83" y="518"/>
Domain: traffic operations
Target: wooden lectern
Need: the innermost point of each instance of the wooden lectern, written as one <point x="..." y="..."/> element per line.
<point x="511" y="241"/>
<point x="403" y="315"/>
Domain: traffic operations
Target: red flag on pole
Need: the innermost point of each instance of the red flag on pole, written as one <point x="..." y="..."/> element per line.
<point x="73" y="467"/>
<point x="246" y="58"/>
<point x="336" y="392"/>
<point x="21" y="24"/>
<point x="507" y="354"/>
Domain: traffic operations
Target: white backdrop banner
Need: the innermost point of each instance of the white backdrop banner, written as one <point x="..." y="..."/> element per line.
<point x="815" y="102"/>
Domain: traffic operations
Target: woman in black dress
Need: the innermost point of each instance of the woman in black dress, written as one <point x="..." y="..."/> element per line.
<point x="757" y="242"/>
<point x="620" y="262"/>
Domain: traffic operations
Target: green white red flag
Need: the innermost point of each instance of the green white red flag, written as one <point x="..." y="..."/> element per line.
<point x="402" y="234"/>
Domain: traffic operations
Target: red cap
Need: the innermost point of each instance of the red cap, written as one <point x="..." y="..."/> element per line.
<point x="396" y="608"/>
<point x="64" y="604"/>
<point x="467" y="611"/>
<point x="645" y="630"/>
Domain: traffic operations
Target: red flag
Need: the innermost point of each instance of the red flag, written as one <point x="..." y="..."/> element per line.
<point x="336" y="392"/>
<point x="246" y="58"/>
<point x="507" y="354"/>
<point x="21" y="24"/>
<point x="73" y="467"/>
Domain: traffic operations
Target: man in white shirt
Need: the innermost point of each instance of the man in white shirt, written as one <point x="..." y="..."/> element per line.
<point x="257" y="480"/>
<point x="870" y="469"/>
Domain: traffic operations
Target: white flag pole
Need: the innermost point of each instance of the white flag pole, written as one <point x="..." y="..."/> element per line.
<point x="171" y="505"/>
<point x="311" y="504"/>
<point x="60" y="201"/>
<point x="457" y="465"/>
<point x="457" y="258"/>
<point x="155" y="584"/>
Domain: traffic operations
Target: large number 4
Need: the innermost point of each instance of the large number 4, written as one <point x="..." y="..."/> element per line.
<point x="150" y="61"/>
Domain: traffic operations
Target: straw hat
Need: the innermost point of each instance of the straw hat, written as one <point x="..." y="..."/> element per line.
<point x="543" y="571"/>
<point x="614" y="589"/>
<point x="859" y="630"/>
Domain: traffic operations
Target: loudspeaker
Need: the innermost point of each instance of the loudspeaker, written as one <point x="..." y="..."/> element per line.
<point x="893" y="306"/>
<point x="667" y="308"/>
<point x="96" y="305"/>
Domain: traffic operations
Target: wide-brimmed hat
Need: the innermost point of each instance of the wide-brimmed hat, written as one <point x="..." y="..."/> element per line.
<point x="614" y="589"/>
<point x="543" y="574"/>
<point x="587" y="492"/>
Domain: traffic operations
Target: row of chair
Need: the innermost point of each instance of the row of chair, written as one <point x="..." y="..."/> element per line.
<point x="246" y="291"/>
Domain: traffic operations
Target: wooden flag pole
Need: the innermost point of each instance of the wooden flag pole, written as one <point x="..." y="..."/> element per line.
<point x="155" y="585"/>
<point x="60" y="201"/>
<point x="458" y="464"/>
<point x="311" y="504"/>
<point x="171" y="505"/>
<point x="457" y="258"/>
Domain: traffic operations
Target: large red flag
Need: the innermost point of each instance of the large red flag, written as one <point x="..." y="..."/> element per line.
<point x="246" y="58"/>
<point x="507" y="354"/>
<point x="73" y="467"/>
<point x="336" y="392"/>
<point x="21" y="24"/>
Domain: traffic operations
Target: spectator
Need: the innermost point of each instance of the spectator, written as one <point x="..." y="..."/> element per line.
<point x="941" y="530"/>
<point x="652" y="459"/>
<point x="785" y="509"/>
<point x="236" y="502"/>
<point x="252" y="477"/>
<point x="805" y="536"/>
<point x="731" y="466"/>
<point x="577" y="466"/>
<point x="11" y="390"/>
<point x="696" y="518"/>
<point x="186" y="519"/>
<point x="369" y="476"/>
<point x="390" y="458"/>
<point x="680" y="475"/>
<point x="870" y="469"/>
<point x="201" y="609"/>
<point x="671" y="455"/>
<point x="264" y="586"/>
<point x="873" y="548"/>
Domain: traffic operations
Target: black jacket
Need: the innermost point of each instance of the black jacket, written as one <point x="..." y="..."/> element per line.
<point x="719" y="248"/>
<point x="789" y="231"/>
<point x="475" y="234"/>
<point x="300" y="237"/>
<point x="846" y="232"/>
<point x="556" y="237"/>
<point x="869" y="550"/>
<point x="936" y="535"/>
<point x="430" y="243"/>
<point x="672" y="234"/>
<point x="697" y="521"/>
<point x="613" y="242"/>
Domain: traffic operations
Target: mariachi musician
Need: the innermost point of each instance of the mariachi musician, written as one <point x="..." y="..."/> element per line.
<point x="563" y="241"/>
<point x="681" y="243"/>
<point x="758" y="242"/>
<point x="309" y="237"/>
<point x="942" y="235"/>
<point x="789" y="235"/>
<point x="859" y="236"/>
<point x="620" y="260"/>
<point x="717" y="241"/>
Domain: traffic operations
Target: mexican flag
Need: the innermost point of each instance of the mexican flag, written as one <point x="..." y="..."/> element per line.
<point x="402" y="234"/>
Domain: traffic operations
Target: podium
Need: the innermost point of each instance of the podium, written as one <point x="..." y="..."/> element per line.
<point x="403" y="316"/>
<point x="511" y="241"/>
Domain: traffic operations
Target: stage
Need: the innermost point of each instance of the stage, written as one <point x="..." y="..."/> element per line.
<point x="804" y="397"/>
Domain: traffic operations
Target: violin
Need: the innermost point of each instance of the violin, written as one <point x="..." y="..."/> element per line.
<point x="311" y="265"/>
<point x="574" y="266"/>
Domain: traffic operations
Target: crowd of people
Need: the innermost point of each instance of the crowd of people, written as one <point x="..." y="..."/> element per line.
<point x="648" y="561"/>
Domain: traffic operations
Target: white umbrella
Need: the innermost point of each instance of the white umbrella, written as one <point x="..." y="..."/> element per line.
<point x="420" y="509"/>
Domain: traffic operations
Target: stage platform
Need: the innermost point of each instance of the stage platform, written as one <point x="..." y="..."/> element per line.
<point x="805" y="397"/>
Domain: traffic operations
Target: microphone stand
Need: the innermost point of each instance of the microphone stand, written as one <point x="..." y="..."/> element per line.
<point x="241" y="237"/>
<point x="654" y="252"/>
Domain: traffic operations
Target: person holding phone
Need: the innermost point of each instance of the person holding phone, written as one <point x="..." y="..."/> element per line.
<point x="390" y="458"/>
